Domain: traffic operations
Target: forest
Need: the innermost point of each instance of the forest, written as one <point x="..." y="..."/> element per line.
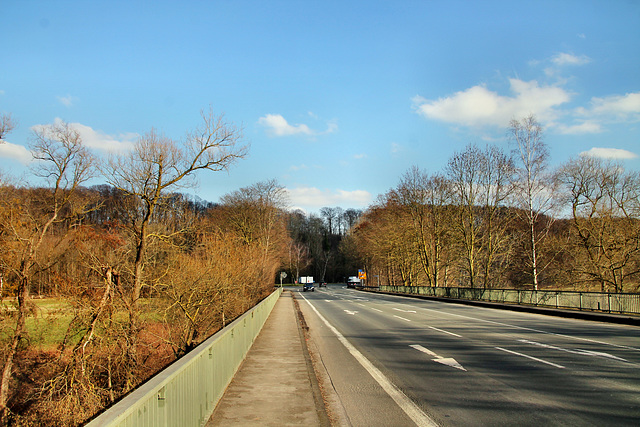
<point x="103" y="285"/>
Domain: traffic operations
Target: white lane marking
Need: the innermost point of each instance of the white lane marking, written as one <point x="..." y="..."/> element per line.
<point x="424" y="350"/>
<point x="327" y="300"/>
<point x="351" y="312"/>
<point x="407" y="405"/>
<point x="407" y="320"/>
<point x="533" y="330"/>
<point x="404" y="311"/>
<point x="578" y="351"/>
<point x="531" y="357"/>
<point x="372" y="308"/>
<point x="449" y="361"/>
<point x="444" y="332"/>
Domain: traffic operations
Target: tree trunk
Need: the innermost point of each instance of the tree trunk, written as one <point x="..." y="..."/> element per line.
<point x="23" y="294"/>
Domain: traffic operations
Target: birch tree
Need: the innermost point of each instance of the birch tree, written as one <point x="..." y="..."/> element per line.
<point x="533" y="186"/>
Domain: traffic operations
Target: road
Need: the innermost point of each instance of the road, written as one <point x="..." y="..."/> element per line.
<point x="388" y="360"/>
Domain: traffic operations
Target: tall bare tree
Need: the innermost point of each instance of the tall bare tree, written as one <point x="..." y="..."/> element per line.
<point x="62" y="161"/>
<point x="155" y="168"/>
<point x="533" y="186"/>
<point x="479" y="182"/>
<point x="425" y="199"/>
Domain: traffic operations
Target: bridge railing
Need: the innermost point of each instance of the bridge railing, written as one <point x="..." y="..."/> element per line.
<point x="186" y="392"/>
<point x="591" y="301"/>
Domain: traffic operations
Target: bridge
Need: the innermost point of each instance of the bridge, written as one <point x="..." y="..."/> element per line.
<point x="339" y="356"/>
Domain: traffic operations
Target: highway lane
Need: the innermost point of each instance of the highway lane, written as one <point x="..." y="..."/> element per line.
<point x="464" y="365"/>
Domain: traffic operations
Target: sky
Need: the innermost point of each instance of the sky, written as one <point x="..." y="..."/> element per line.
<point x="337" y="99"/>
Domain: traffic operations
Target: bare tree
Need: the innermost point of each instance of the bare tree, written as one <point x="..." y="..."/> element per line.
<point x="351" y="216"/>
<point x="533" y="185"/>
<point x="155" y="168"/>
<point x="64" y="163"/>
<point x="7" y="124"/>
<point x="479" y="183"/>
<point x="331" y="215"/>
<point x="425" y="199"/>
<point x="605" y="212"/>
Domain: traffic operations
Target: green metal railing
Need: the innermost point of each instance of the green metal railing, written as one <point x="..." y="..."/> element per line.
<point x="587" y="301"/>
<point x="186" y="393"/>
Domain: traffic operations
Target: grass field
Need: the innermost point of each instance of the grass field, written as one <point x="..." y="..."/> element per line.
<point x="47" y="328"/>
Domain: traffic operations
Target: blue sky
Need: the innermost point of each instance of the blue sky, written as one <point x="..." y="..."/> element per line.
<point x="337" y="98"/>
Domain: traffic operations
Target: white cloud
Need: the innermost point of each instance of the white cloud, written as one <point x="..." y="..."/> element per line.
<point x="299" y="167"/>
<point x="582" y="128"/>
<point x="278" y="126"/>
<point x="478" y="106"/>
<point x="360" y="156"/>
<point x="624" y="107"/>
<point x="313" y="197"/>
<point x="67" y="101"/>
<point x="15" y="152"/>
<point x="609" y="153"/>
<point x="562" y="59"/>
<point x="609" y="109"/>
<point x="98" y="140"/>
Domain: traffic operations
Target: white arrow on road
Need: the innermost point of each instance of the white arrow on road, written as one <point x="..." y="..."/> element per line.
<point x="350" y="312"/>
<point x="449" y="361"/>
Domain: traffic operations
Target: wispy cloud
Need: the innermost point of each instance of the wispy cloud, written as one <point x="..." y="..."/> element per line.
<point x="602" y="111"/>
<point x="609" y="153"/>
<point x="396" y="148"/>
<point x="299" y="167"/>
<point x="581" y="128"/>
<point x="620" y="107"/>
<point x="67" y="101"/>
<point x="98" y="140"/>
<point x="479" y="106"/>
<point x="277" y="125"/>
<point x="562" y="59"/>
<point x="313" y="197"/>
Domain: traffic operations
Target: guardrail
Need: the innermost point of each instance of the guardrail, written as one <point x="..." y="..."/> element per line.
<point x="186" y="392"/>
<point x="587" y="301"/>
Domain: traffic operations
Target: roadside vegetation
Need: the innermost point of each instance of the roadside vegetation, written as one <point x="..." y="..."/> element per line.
<point x="103" y="285"/>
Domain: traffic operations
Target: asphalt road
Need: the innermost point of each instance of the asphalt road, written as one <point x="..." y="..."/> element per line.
<point x="394" y="361"/>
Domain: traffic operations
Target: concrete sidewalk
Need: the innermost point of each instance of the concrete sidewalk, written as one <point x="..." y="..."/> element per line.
<point x="276" y="384"/>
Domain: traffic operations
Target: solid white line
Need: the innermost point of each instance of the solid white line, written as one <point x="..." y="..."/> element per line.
<point x="402" y="318"/>
<point x="531" y="357"/>
<point x="407" y="405"/>
<point x="445" y="332"/>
